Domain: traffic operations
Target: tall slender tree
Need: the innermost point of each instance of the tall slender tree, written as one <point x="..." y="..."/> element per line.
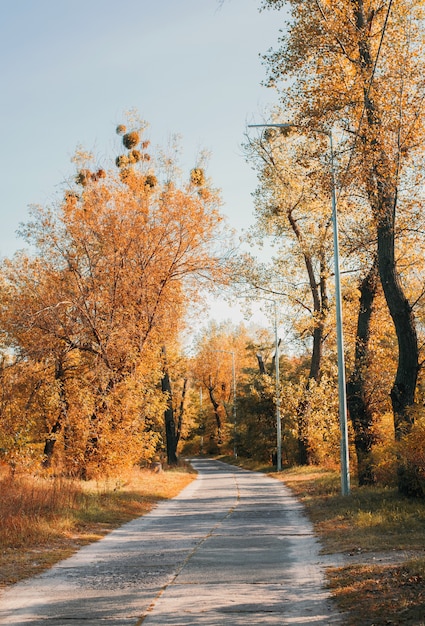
<point x="290" y="203"/>
<point x="358" y="402"/>
<point x="358" y="66"/>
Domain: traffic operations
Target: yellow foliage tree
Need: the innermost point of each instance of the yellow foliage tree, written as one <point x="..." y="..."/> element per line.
<point x="116" y="264"/>
<point x="218" y="367"/>
<point x="358" y="65"/>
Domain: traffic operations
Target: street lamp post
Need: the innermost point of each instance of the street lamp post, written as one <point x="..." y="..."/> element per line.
<point x="277" y="388"/>
<point x="201" y="422"/>
<point x="235" y="448"/>
<point x="278" y="422"/>
<point x="345" y="468"/>
<point x="345" y="471"/>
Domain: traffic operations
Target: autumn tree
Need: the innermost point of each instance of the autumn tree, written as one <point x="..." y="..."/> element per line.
<point x="175" y="383"/>
<point x="22" y="407"/>
<point x="116" y="263"/>
<point x="220" y="355"/>
<point x="358" y="66"/>
<point x="257" y="432"/>
<point x="289" y="203"/>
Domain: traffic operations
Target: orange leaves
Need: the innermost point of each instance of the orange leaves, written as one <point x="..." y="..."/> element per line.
<point x="344" y="54"/>
<point x="115" y="267"/>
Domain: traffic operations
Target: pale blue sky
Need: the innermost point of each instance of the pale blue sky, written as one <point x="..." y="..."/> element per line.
<point x="70" y="68"/>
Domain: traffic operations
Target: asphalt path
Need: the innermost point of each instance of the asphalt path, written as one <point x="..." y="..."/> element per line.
<point x="234" y="547"/>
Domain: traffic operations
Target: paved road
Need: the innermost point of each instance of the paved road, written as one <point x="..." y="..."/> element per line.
<point x="233" y="548"/>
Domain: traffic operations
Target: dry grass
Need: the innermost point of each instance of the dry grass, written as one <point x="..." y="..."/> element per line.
<point x="370" y="519"/>
<point x="44" y="520"/>
<point x="379" y="534"/>
<point x="382" y="538"/>
<point x="381" y="594"/>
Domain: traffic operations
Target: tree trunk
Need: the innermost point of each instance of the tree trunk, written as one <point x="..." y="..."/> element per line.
<point x="320" y="307"/>
<point x="261" y="365"/>
<point x="357" y="401"/>
<point x="216" y="407"/>
<point x="403" y="390"/>
<point x="382" y="190"/>
<point x="49" y="444"/>
<point x="181" y="411"/>
<point x="170" y="425"/>
<point x="404" y="387"/>
<point x="302" y="438"/>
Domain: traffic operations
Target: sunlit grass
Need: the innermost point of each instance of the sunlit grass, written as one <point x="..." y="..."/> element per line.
<point x="250" y="464"/>
<point x="369" y="519"/>
<point x="381" y="532"/>
<point x="369" y="523"/>
<point x="381" y="594"/>
<point x="46" y="519"/>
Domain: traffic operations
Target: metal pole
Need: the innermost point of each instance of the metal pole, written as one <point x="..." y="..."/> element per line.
<point x="345" y="471"/>
<point x="201" y="421"/>
<point x="278" y="422"/>
<point x="235" y="449"/>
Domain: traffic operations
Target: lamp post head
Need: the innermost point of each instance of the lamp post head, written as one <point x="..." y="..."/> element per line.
<point x="284" y="128"/>
<point x="272" y="125"/>
<point x="289" y="126"/>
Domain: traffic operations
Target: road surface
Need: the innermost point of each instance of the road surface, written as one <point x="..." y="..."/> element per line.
<point x="234" y="547"/>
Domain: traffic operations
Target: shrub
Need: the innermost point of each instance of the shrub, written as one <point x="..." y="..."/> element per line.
<point x="83" y="177"/>
<point x="411" y="456"/>
<point x="134" y="156"/>
<point x="122" y="161"/>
